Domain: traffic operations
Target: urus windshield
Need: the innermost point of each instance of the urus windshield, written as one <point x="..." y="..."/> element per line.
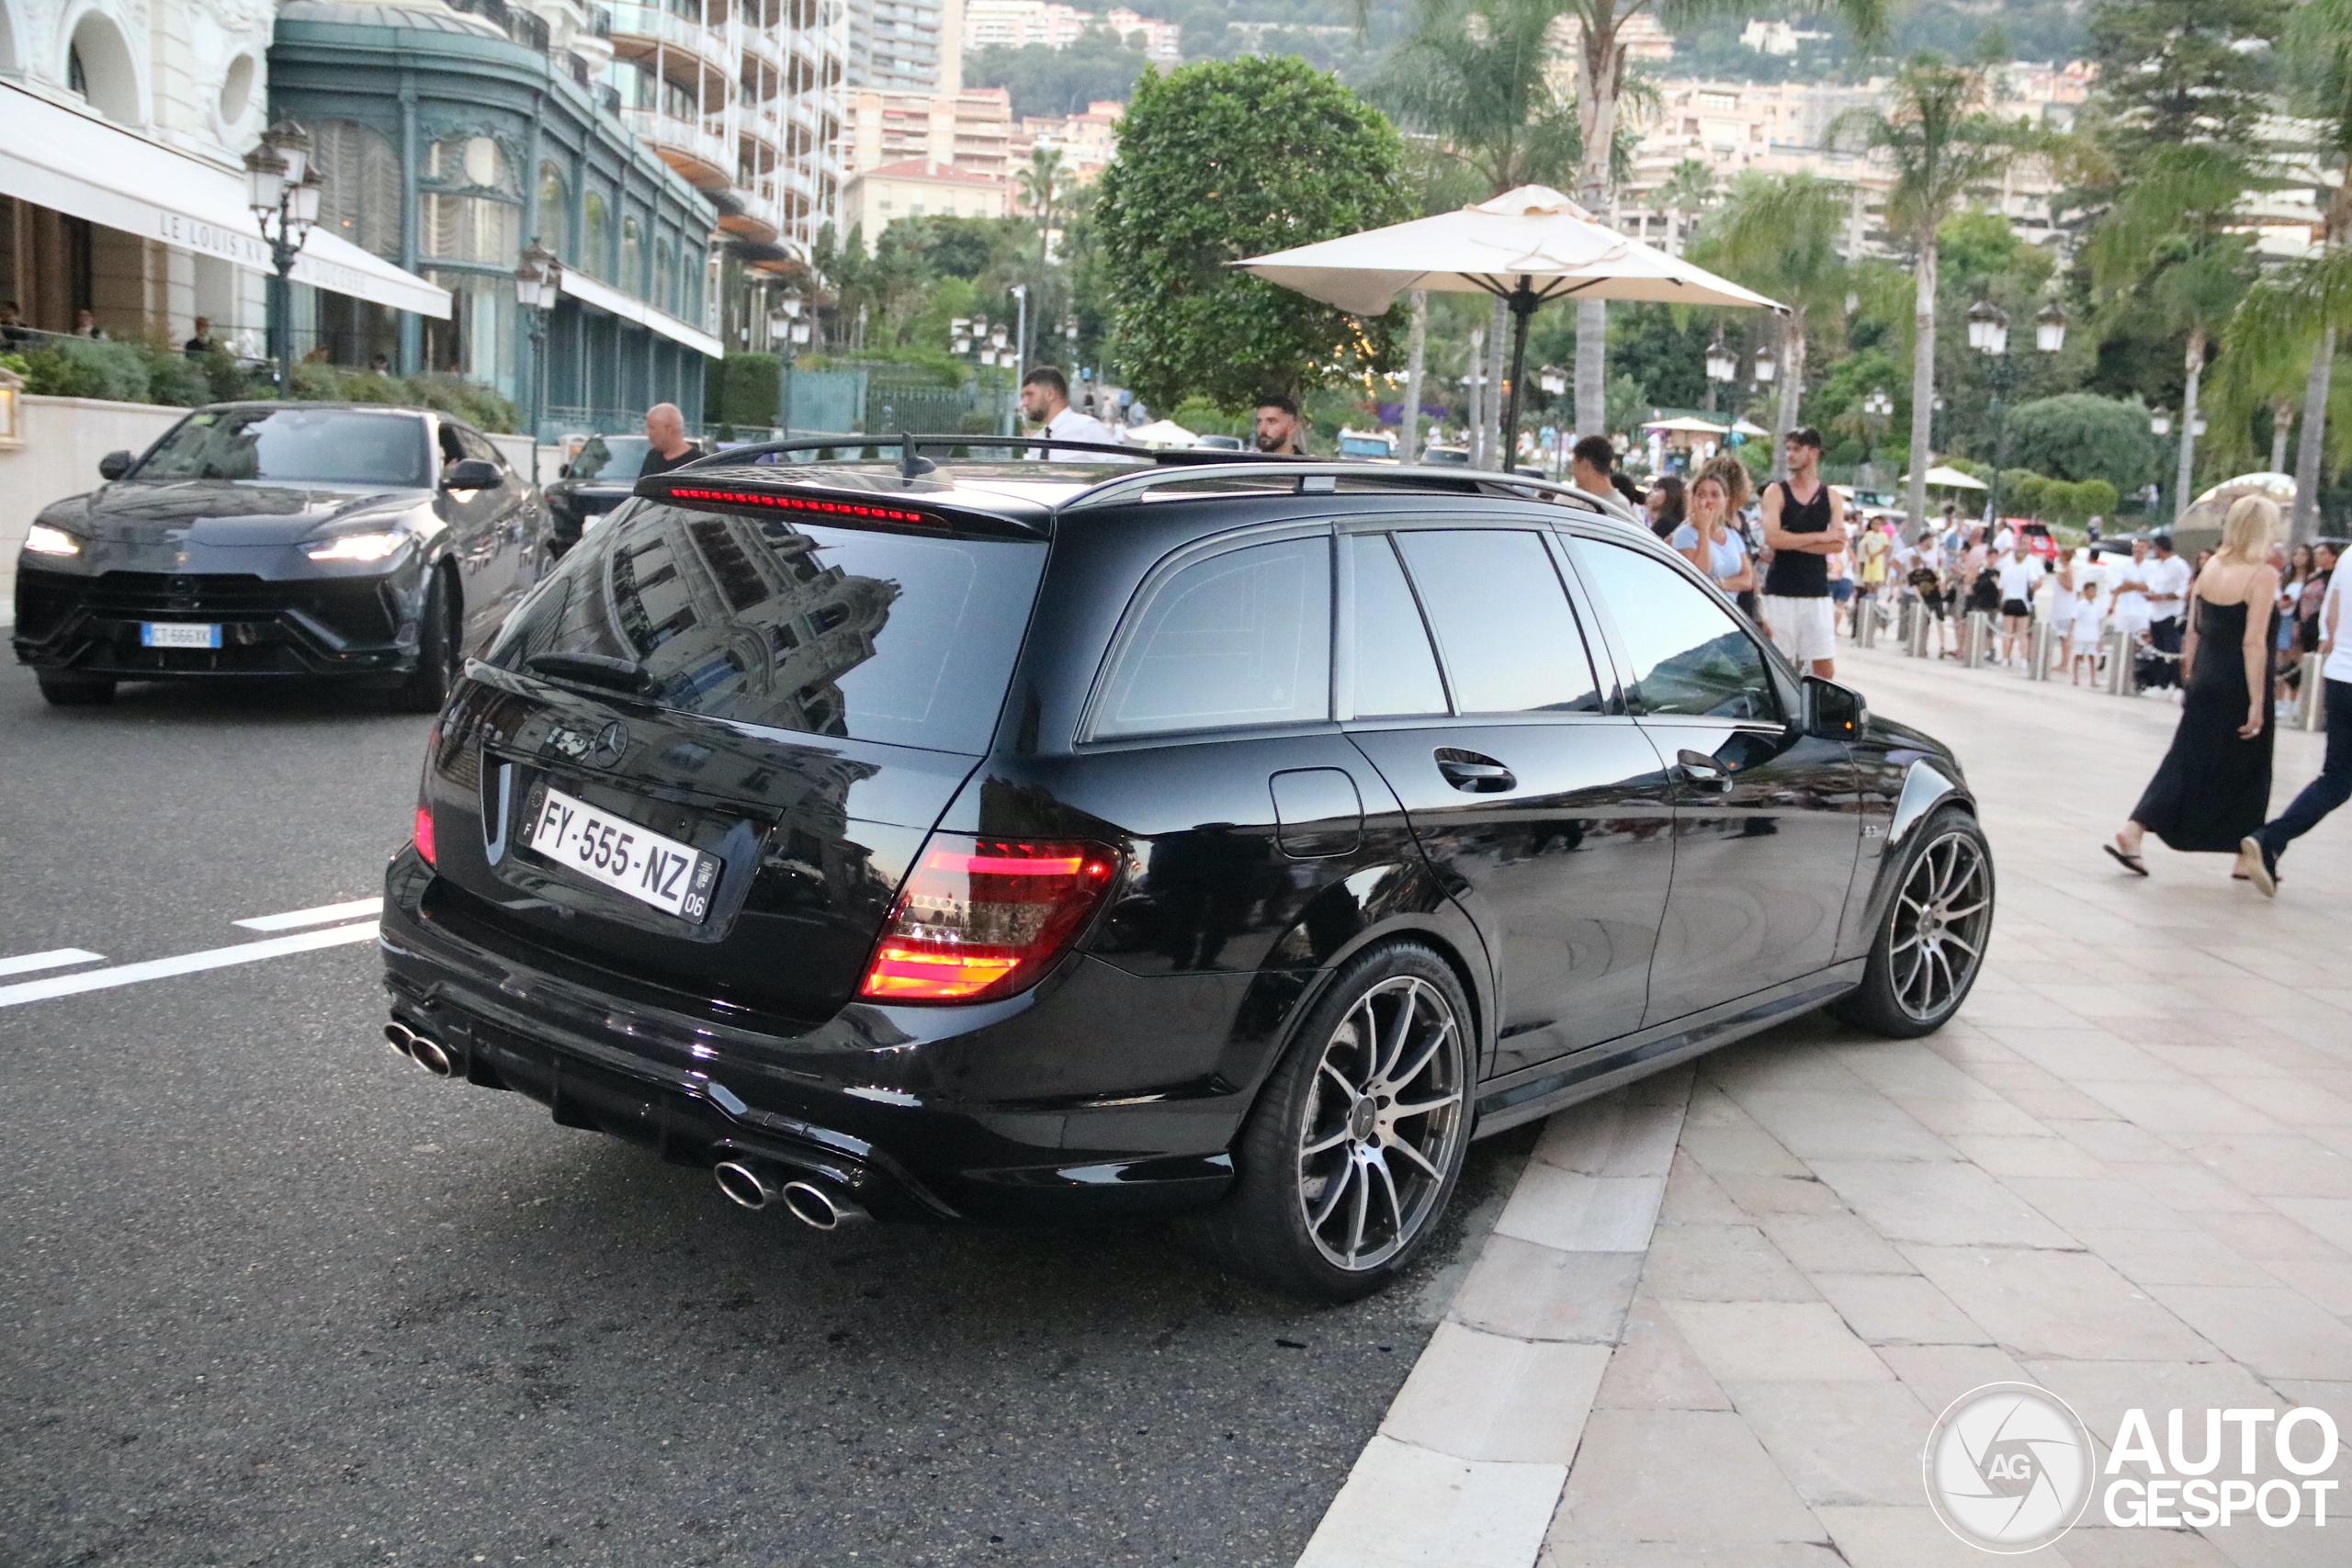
<point x="341" y="447"/>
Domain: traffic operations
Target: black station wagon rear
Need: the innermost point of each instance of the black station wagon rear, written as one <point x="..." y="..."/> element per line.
<point x="985" y="840"/>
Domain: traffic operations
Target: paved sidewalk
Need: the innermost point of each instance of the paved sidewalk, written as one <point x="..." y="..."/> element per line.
<point x="2124" y="1173"/>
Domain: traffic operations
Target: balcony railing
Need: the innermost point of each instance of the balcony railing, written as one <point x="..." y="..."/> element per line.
<point x="703" y="139"/>
<point x="668" y="26"/>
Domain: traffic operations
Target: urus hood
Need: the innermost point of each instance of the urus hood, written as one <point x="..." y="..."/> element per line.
<point x="223" y="512"/>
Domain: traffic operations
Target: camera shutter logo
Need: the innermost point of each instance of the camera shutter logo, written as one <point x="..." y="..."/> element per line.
<point x="2009" y="1467"/>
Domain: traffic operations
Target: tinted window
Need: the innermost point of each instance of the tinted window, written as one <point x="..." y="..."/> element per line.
<point x="1396" y="672"/>
<point x="1503" y="621"/>
<point x="474" y="443"/>
<point x="831" y="631"/>
<point x="610" y="458"/>
<point x="1689" y="655"/>
<point x="295" y="444"/>
<point x="1240" y="638"/>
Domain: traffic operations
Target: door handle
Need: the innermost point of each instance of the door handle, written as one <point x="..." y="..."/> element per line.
<point x="1700" y="769"/>
<point x="1473" y="775"/>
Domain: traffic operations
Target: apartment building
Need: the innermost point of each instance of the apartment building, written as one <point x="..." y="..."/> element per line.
<point x="970" y="131"/>
<point x="1087" y="142"/>
<point x="1016" y="24"/>
<point x="905" y="46"/>
<point x="919" y="188"/>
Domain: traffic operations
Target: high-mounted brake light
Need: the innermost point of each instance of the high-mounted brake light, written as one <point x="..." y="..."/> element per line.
<point x="803" y="503"/>
<point x="981" y="919"/>
<point x="422" y="833"/>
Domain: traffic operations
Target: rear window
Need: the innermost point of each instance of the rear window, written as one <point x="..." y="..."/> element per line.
<point x="795" y="625"/>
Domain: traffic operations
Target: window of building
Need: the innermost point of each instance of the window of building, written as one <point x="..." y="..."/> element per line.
<point x="596" y="235"/>
<point x="361" y="202"/>
<point x="633" y="257"/>
<point x="664" y="292"/>
<point x="472" y="211"/>
<point x="555" y="212"/>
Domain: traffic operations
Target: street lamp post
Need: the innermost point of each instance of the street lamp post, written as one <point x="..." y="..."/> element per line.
<point x="1988" y="334"/>
<point x="1722" y="365"/>
<point x="1878" y="416"/>
<point x="1554" y="382"/>
<point x="538" y="283"/>
<point x="281" y="184"/>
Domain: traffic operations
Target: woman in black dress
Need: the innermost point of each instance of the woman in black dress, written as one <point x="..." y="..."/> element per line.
<point x="2214" y="786"/>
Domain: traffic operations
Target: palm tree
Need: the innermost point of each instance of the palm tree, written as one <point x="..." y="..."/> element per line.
<point x="1943" y="148"/>
<point x="1690" y="190"/>
<point x="1778" y="234"/>
<point x="1041" y="187"/>
<point x="2310" y="303"/>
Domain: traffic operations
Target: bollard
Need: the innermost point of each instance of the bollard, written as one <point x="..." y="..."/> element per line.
<point x="2118" y="663"/>
<point x="1915" y="629"/>
<point x="2311" y="701"/>
<point x="2038" y="654"/>
<point x="1866" y="621"/>
<point x="1976" y="637"/>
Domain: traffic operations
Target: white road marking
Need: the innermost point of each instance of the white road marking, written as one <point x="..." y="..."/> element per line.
<point x="294" y="919"/>
<point x="55" y="958"/>
<point x="186" y="964"/>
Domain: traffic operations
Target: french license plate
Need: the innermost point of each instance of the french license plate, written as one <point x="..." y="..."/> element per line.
<point x="177" y="634"/>
<point x="624" y="856"/>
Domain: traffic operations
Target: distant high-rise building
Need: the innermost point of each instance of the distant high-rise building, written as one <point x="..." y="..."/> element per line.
<point x="905" y="46"/>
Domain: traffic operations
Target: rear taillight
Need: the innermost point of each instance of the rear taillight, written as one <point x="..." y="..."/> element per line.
<point x="424" y="831"/>
<point x="984" y="918"/>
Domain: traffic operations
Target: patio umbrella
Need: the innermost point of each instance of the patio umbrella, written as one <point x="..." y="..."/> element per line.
<point x="1686" y="426"/>
<point x="1525" y="246"/>
<point x="1949" y="479"/>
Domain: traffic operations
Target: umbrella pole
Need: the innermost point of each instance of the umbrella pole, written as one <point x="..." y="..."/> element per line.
<point x="1524" y="302"/>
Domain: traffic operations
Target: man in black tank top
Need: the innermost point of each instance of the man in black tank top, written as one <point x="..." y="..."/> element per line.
<point x="1804" y="525"/>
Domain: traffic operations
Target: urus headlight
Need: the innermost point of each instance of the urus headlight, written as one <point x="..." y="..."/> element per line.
<point x="41" y="539"/>
<point x="357" y="547"/>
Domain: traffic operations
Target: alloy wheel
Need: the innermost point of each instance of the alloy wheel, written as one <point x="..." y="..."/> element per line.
<point x="1941" y="917"/>
<point x="1382" y="1123"/>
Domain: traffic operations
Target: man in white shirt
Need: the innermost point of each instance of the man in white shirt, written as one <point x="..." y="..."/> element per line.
<point x="2333" y="785"/>
<point x="2168" y="577"/>
<point x="2016" y="573"/>
<point x="1045" y="398"/>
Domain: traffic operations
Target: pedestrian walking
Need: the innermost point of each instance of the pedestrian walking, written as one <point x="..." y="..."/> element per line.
<point x="1870" y="551"/>
<point x="2211" y="791"/>
<point x="2082" y="631"/>
<point x="2298" y="572"/>
<point x="1045" y="398"/>
<point x="1707" y="539"/>
<point x="1804" y="525"/>
<point x="1665" y="504"/>
<point x="2263" y="847"/>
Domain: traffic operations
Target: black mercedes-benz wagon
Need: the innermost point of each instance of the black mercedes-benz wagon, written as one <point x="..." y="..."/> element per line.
<point x="985" y="839"/>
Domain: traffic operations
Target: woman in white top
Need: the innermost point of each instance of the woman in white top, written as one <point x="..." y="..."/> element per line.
<point x="1708" y="541"/>
<point x="2082" y="627"/>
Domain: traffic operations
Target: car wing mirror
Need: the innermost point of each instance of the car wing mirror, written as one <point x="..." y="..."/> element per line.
<point x="1833" y="712"/>
<point x="114" y="465"/>
<point x="472" y="473"/>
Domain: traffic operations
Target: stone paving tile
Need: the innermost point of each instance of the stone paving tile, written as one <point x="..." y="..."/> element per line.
<point x="1675" y="1475"/>
<point x="1898" y="1309"/>
<point x="1861" y="1123"/>
<point x="1954" y="1205"/>
<point x="1756" y="1341"/>
<point x="1839" y="1442"/>
<point x="1485" y="1397"/>
<point x="2274" y="1234"/>
<point x="1693" y="1198"/>
<point x="2058" y="1304"/>
<point x="2073" y="1202"/>
<point x="2277" y="1332"/>
<point x="1532" y="1292"/>
<point x="1654" y="1368"/>
<point x="1939" y="1374"/>
<point x="2172" y="1257"/>
<point x="1582" y="1214"/>
<point x="1910" y="1538"/>
<point x="1834" y="1241"/>
<point x="1721" y="1263"/>
<point x="2036" y="1153"/>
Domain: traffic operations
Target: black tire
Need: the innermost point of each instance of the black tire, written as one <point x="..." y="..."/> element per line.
<point x="1380" y="1180"/>
<point x="437" y="652"/>
<point x="62" y="689"/>
<point x="1932" y="939"/>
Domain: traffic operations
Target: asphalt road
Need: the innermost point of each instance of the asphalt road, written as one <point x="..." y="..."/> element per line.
<point x="274" y="1296"/>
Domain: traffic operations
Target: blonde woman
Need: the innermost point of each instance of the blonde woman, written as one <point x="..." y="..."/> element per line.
<point x="2212" y="790"/>
<point x="1707" y="539"/>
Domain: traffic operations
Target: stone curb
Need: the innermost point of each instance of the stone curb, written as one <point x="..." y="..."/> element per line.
<point x="1468" y="1465"/>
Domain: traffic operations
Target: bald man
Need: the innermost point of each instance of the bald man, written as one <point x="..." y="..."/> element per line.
<point x="665" y="429"/>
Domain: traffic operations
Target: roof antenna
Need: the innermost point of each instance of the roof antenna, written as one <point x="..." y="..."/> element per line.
<point x="910" y="466"/>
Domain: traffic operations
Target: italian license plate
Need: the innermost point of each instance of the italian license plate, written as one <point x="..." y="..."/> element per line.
<point x="177" y="634"/>
<point x="624" y="856"/>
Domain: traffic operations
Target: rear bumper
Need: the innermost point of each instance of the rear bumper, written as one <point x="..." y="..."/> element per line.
<point x="834" y="1101"/>
<point x="340" y="625"/>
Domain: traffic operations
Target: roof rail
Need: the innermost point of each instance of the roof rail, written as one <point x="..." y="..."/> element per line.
<point x="910" y="447"/>
<point x="1306" y="477"/>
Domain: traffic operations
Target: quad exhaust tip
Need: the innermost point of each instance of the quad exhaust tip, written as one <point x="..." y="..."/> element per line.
<point x="430" y="1055"/>
<point x="756" y="1187"/>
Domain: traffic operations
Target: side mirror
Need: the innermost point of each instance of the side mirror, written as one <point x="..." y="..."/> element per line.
<point x="564" y="472"/>
<point x="1833" y="712"/>
<point x="472" y="473"/>
<point x="114" y="465"/>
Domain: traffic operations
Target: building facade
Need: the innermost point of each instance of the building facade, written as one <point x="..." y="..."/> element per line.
<point x="123" y="129"/>
<point x="449" y="141"/>
<point x="905" y="46"/>
<point x="919" y="188"/>
<point x="971" y="129"/>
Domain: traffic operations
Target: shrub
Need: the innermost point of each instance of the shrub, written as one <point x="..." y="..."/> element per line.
<point x="2077" y="435"/>
<point x="69" y="367"/>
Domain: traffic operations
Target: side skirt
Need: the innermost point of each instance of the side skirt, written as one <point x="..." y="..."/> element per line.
<point x="1551" y="1086"/>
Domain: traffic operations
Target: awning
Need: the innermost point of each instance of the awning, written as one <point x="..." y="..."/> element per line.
<point x="588" y="291"/>
<point x="54" y="157"/>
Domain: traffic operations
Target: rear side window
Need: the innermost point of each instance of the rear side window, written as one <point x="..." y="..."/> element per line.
<point x="1689" y="655"/>
<point x="795" y="625"/>
<point x="1503" y="621"/>
<point x="1396" y="672"/>
<point x="1240" y="638"/>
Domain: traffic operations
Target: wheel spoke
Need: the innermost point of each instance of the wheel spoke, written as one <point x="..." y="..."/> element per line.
<point x="1911" y="940"/>
<point x="1951" y="915"/>
<point x="1358" y="1211"/>
<point x="1409" y="1107"/>
<point x="1341" y="1182"/>
<point x="1399" y="1038"/>
<point x="1409" y="1152"/>
<point x="1396" y="1208"/>
<point x="1437" y="1043"/>
<point x="1323" y="1145"/>
<point x="1964" y="944"/>
<point x="1347" y="1089"/>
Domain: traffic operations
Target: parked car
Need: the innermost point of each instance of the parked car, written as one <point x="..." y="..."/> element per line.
<point x="1221" y="444"/>
<point x="597" y="478"/>
<point x="939" y="841"/>
<point x="280" y="538"/>
<point x="1372" y="445"/>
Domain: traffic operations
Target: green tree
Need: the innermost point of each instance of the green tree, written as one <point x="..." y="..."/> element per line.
<point x="1943" y="147"/>
<point x="2176" y="74"/>
<point x="1040" y="183"/>
<point x="1778" y="234"/>
<point x="1690" y="189"/>
<point x="1231" y="159"/>
<point x="1097" y="66"/>
<point x="2077" y="435"/>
